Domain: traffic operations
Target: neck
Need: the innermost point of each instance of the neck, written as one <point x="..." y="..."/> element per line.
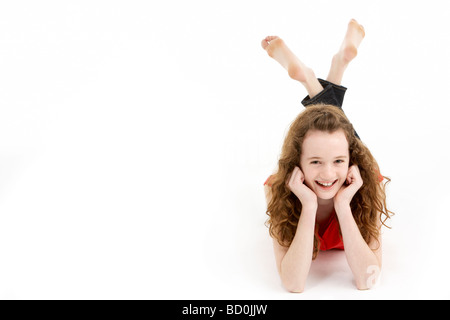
<point x="325" y="202"/>
<point x="324" y="209"/>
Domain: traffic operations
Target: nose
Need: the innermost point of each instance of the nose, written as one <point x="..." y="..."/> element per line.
<point x="328" y="173"/>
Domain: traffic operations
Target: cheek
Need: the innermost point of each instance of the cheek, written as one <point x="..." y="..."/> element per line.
<point x="343" y="174"/>
<point x="309" y="177"/>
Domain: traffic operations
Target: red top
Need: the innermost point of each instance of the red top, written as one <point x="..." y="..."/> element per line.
<point x="329" y="235"/>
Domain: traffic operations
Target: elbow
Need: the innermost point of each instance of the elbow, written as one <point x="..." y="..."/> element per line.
<point x="370" y="279"/>
<point x="366" y="285"/>
<point x="293" y="282"/>
<point x="362" y="286"/>
<point x="296" y="290"/>
<point x="293" y="287"/>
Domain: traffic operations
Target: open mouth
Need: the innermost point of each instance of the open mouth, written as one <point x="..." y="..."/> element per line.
<point x="326" y="185"/>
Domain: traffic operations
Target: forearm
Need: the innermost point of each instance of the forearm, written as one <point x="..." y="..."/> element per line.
<point x="361" y="259"/>
<point x="297" y="261"/>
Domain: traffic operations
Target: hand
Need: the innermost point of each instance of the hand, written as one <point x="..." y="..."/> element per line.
<point x="352" y="184"/>
<point x="296" y="184"/>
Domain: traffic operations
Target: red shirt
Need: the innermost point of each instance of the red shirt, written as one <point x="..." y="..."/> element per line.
<point x="329" y="235"/>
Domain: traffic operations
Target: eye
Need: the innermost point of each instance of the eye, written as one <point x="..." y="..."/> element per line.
<point x="315" y="162"/>
<point x="339" y="161"/>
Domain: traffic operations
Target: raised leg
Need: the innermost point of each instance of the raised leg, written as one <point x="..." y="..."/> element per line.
<point x="297" y="70"/>
<point x="347" y="52"/>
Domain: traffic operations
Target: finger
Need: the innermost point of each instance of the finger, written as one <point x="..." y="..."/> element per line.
<point x="355" y="169"/>
<point x="349" y="175"/>
<point x="299" y="175"/>
<point x="296" y="176"/>
<point x="354" y="173"/>
<point x="302" y="176"/>
<point x="291" y="178"/>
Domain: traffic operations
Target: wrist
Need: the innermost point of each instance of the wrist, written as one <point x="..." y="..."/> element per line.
<point x="342" y="207"/>
<point x="308" y="216"/>
<point x="309" y="208"/>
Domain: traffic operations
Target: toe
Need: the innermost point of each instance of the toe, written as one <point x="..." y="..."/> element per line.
<point x="271" y="38"/>
<point x="266" y="42"/>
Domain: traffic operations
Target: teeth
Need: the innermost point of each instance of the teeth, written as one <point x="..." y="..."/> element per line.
<point x="325" y="184"/>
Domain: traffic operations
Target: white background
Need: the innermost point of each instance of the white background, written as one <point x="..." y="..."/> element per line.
<point x="135" y="137"/>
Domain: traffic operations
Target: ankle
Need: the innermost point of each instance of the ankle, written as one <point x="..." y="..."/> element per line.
<point x="340" y="60"/>
<point x="312" y="84"/>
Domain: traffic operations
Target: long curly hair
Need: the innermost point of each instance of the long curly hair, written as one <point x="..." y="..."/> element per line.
<point x="368" y="204"/>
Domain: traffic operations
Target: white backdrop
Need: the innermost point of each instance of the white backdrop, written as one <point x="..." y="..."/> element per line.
<point x="135" y="137"/>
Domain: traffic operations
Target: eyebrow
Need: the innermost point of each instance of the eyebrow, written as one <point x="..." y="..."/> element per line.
<point x="338" y="157"/>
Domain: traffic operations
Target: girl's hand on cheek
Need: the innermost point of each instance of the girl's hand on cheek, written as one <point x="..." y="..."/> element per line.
<point x="353" y="183"/>
<point x="296" y="184"/>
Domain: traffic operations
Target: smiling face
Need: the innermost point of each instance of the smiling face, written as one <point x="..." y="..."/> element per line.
<point x="324" y="162"/>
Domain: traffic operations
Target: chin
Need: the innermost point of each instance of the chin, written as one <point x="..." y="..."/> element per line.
<point x="325" y="196"/>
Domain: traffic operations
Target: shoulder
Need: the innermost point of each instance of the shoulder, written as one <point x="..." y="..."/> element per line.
<point x="380" y="177"/>
<point x="268" y="181"/>
<point x="268" y="193"/>
<point x="268" y="189"/>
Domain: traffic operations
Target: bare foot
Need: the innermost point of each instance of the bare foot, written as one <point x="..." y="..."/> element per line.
<point x="347" y="52"/>
<point x="349" y="48"/>
<point x="277" y="49"/>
